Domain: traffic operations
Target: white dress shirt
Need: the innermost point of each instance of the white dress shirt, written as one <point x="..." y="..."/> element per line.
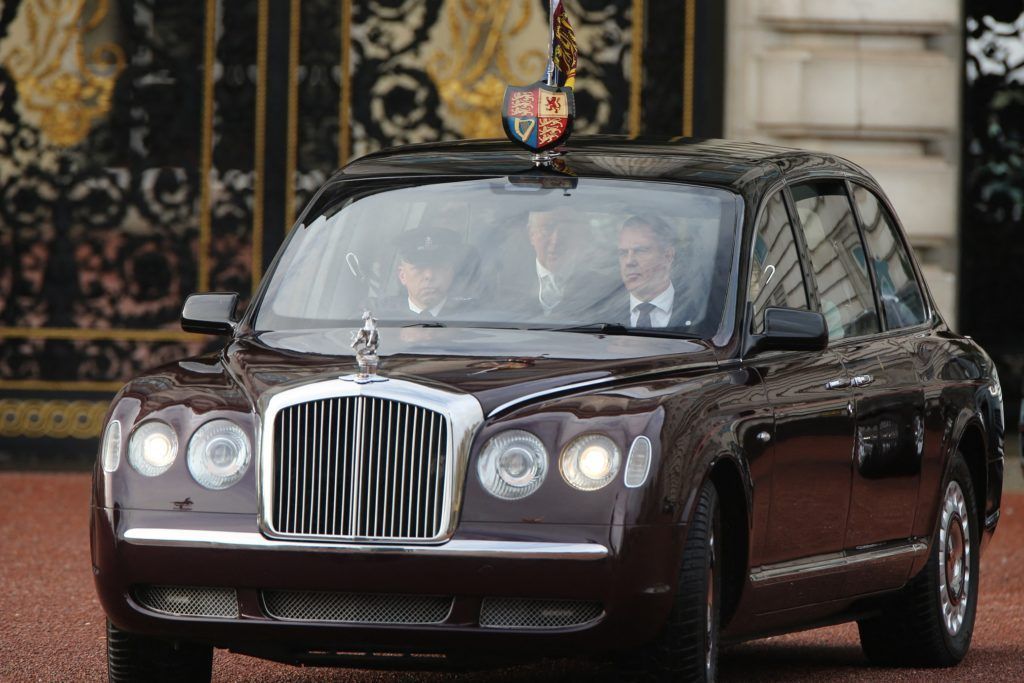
<point x="435" y="311"/>
<point x="662" y="312"/>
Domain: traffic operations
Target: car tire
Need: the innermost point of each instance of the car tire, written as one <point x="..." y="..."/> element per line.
<point x="687" y="647"/>
<point x="930" y="622"/>
<point x="133" y="658"/>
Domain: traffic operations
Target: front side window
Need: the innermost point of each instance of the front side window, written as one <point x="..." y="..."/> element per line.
<point x="837" y="259"/>
<point x="901" y="296"/>
<point x="776" y="279"/>
<point x="509" y="252"/>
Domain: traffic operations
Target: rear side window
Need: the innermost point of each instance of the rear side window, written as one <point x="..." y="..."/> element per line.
<point x="837" y="259"/>
<point x="776" y="279"/>
<point x="902" y="301"/>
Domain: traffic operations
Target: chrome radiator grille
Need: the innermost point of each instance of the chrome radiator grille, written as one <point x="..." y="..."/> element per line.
<point x="360" y="467"/>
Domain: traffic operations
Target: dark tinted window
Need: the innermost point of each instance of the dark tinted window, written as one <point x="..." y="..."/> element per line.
<point x="837" y="259"/>
<point x="900" y="293"/>
<point x="776" y="279"/>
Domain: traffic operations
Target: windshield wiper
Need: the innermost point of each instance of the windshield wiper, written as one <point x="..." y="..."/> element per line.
<point x="596" y="328"/>
<point x="432" y="323"/>
<point x="619" y="328"/>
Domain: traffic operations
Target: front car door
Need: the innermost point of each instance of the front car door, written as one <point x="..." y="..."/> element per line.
<point x="812" y="444"/>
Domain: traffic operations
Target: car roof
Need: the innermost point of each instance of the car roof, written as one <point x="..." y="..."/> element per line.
<point x="724" y="163"/>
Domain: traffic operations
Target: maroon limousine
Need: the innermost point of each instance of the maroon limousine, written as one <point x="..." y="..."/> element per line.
<point x="632" y="399"/>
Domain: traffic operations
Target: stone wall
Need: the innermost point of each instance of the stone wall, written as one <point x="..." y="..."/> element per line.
<point x="875" y="81"/>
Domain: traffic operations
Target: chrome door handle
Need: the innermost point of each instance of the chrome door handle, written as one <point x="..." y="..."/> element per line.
<point x="861" y="380"/>
<point x="841" y="383"/>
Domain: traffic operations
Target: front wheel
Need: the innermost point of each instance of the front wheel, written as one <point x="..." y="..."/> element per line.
<point x="687" y="648"/>
<point x="932" y="620"/>
<point x="132" y="658"/>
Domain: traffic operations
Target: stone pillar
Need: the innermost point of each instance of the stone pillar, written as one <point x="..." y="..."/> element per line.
<point x="875" y="81"/>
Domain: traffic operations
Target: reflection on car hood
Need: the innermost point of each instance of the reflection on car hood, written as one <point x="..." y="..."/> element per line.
<point x="497" y="366"/>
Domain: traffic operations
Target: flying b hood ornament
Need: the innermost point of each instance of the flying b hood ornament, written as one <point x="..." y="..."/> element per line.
<point x="539" y="117"/>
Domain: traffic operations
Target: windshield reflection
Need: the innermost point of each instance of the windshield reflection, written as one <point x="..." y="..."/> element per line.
<point x="634" y="256"/>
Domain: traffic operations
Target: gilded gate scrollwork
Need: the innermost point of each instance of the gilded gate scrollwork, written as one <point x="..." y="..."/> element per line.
<point x="472" y="77"/>
<point x="63" y="91"/>
<point x="129" y="171"/>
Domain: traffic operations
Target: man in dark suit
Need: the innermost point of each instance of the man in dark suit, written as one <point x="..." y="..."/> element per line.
<point x="428" y="259"/>
<point x="647" y="253"/>
<point x="553" y="272"/>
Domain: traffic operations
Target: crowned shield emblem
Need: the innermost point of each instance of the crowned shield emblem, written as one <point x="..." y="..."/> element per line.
<point x="539" y="116"/>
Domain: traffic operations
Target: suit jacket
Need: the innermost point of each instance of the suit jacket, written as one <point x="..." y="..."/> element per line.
<point x="685" y="307"/>
<point x="584" y="290"/>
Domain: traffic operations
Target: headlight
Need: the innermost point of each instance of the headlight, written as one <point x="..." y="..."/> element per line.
<point x="152" y="448"/>
<point x="512" y="464"/>
<point x="218" y="454"/>
<point x="590" y="461"/>
<point x="111" y="449"/>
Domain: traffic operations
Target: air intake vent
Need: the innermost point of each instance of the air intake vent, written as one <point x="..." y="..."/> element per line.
<point x="356" y="608"/>
<point x="528" y="613"/>
<point x="189" y="601"/>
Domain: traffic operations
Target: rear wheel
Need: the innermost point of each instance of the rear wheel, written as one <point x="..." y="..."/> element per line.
<point x="132" y="658"/>
<point x="932" y="620"/>
<point x="687" y="648"/>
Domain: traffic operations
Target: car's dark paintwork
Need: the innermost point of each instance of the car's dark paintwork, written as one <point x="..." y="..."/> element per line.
<point x="801" y="494"/>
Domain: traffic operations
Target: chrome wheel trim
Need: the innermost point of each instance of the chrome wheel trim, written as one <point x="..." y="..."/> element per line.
<point x="709" y="616"/>
<point x="954" y="559"/>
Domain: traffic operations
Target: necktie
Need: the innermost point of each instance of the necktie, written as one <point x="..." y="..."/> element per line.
<point x="550" y="292"/>
<point x="643" y="319"/>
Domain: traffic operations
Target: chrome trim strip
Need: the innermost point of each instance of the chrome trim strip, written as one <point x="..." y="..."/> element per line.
<point x="248" y="540"/>
<point x="822" y="564"/>
<point x="618" y="379"/>
<point x="554" y="390"/>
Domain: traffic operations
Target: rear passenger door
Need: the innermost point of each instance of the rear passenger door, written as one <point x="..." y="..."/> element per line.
<point x="887" y="400"/>
<point x="891" y="428"/>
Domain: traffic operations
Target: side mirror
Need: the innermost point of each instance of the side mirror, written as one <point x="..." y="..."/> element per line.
<point x="210" y="313"/>
<point x="790" y="329"/>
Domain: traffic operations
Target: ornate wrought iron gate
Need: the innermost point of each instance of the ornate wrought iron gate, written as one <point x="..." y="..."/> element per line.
<point x="151" y="149"/>
<point x="992" y="201"/>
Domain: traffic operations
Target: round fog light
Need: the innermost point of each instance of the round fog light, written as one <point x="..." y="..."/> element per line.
<point x="152" y="448"/>
<point x="218" y="454"/>
<point x="512" y="464"/>
<point x="589" y="462"/>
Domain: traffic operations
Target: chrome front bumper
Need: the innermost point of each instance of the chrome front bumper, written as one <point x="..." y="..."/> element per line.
<point x="616" y="568"/>
<point x="512" y="550"/>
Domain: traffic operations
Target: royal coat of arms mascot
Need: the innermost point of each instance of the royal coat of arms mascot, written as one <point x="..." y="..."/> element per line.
<point x="540" y="116"/>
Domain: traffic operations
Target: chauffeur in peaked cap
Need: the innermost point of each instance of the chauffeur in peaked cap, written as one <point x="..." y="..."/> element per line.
<point x="428" y="259"/>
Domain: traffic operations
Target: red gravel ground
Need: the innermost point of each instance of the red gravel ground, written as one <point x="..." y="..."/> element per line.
<point x="52" y="627"/>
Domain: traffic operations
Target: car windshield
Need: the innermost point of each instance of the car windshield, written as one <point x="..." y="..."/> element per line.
<point x="601" y="255"/>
